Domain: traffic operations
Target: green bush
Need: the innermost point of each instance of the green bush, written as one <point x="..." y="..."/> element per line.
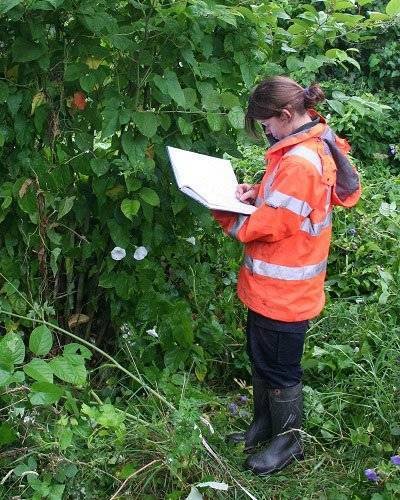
<point x="110" y="369"/>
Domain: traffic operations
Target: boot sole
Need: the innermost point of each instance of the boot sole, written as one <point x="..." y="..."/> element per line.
<point x="249" y="449"/>
<point x="298" y="458"/>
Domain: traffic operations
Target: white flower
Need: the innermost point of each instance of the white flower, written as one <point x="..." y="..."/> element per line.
<point x="152" y="332"/>
<point x="140" y="253"/>
<point x="118" y="253"/>
<point x="125" y="329"/>
<point x="191" y="240"/>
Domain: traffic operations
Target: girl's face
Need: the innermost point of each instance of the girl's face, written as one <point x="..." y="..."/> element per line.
<point x="278" y="126"/>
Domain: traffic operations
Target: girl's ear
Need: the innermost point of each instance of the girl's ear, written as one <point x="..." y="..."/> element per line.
<point x="286" y="115"/>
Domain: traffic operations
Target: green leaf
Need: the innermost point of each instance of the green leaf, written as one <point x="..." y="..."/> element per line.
<point x="134" y="147"/>
<point x="88" y="82"/>
<point x="174" y="88"/>
<point x="211" y="100"/>
<point x="226" y="15"/>
<point x="65" y="206"/>
<point x="74" y="71"/>
<point x="110" y="121"/>
<point x="6" y="372"/>
<point x="165" y="121"/>
<point x="39" y="370"/>
<point x="185" y="126"/>
<point x="344" y="4"/>
<point x="28" y="465"/>
<point x="190" y="97"/>
<point x="56" y="490"/>
<point x="393" y="8"/>
<point x="312" y="64"/>
<point x="236" y="117"/>
<point x="55" y="253"/>
<point x="293" y="63"/>
<point x="69" y="368"/>
<point x="378" y="16"/>
<point x="147" y="122"/>
<point x="215" y="121"/>
<point x="24" y="193"/>
<point x="7" y="434"/>
<point x="4" y="92"/>
<point x="387" y="209"/>
<point x="120" y="234"/>
<point x="56" y="3"/>
<point x="65" y="436"/>
<point x="130" y="208"/>
<point x="7" y="5"/>
<point x="127" y="470"/>
<point x="229" y="100"/>
<point x="149" y="196"/>
<point x="348" y="19"/>
<point x="41" y="340"/>
<point x="45" y="393"/>
<point x="180" y="324"/>
<point x="338" y="54"/>
<point x="355" y="63"/>
<point x="336" y="106"/>
<point x="248" y="72"/>
<point x="14" y="102"/>
<point x="360" y="436"/>
<point x="26" y="50"/>
<point x="100" y="166"/>
<point x="13" y="346"/>
<point x="132" y="183"/>
<point x="74" y="347"/>
<point x="174" y="357"/>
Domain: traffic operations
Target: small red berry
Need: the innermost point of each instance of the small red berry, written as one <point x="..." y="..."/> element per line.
<point x="79" y="101"/>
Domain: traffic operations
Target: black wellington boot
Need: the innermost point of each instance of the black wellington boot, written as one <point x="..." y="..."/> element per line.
<point x="286" y="406"/>
<point x="260" y="429"/>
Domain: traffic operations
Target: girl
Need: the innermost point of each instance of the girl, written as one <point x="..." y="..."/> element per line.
<point x="286" y="250"/>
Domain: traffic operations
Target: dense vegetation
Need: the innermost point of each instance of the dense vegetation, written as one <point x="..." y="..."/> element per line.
<point x="121" y="347"/>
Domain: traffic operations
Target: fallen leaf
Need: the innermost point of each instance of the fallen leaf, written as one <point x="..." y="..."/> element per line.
<point x="77" y="319"/>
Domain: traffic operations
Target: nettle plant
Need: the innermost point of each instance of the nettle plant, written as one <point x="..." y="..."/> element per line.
<point x="91" y="92"/>
<point x="37" y="368"/>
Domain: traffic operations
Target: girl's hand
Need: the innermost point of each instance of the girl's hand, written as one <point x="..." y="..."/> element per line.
<point x="246" y="193"/>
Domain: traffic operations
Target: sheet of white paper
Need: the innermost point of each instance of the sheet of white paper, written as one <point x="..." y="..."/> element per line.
<point x="212" y="179"/>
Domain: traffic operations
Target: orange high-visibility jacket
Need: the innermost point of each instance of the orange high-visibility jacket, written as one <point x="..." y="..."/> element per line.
<point x="287" y="238"/>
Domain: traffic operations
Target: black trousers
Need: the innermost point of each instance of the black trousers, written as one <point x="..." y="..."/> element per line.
<point x="275" y="349"/>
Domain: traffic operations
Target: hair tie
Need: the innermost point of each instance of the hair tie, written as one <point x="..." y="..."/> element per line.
<point x="306" y="91"/>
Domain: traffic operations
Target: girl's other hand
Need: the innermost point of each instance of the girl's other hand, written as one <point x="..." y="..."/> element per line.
<point x="246" y="193"/>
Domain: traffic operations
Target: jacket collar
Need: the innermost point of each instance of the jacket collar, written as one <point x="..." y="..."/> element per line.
<point x="302" y="134"/>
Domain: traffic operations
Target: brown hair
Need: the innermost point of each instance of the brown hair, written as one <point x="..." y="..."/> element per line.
<point x="274" y="94"/>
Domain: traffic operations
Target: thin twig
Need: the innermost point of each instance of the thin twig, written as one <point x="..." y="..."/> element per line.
<point x="131" y="476"/>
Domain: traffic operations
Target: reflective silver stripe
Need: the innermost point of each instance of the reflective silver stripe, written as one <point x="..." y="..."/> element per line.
<point x="328" y="198"/>
<point x="277" y="199"/>
<point x="284" y="272"/>
<point x="308" y="154"/>
<point x="259" y="201"/>
<point x="317" y="228"/>
<point x="270" y="180"/>
<point x="241" y="219"/>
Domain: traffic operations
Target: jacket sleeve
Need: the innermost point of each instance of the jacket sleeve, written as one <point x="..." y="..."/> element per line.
<point x="227" y="219"/>
<point x="295" y="192"/>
